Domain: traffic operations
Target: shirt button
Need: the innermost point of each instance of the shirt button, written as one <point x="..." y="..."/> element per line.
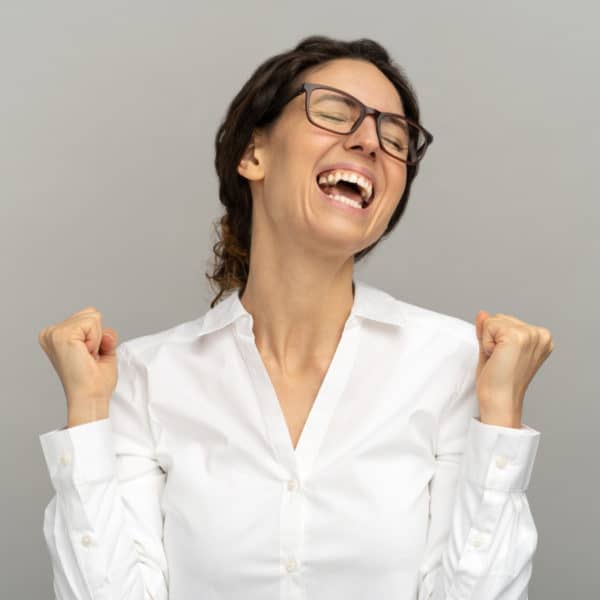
<point x="65" y="458"/>
<point x="86" y="540"/>
<point x="291" y="565"/>
<point x="292" y="485"/>
<point x="501" y="462"/>
<point x="477" y="541"/>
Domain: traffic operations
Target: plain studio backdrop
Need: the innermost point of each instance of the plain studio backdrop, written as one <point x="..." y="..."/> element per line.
<point x="108" y="195"/>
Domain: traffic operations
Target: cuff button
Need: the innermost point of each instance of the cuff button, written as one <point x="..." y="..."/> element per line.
<point x="501" y="462"/>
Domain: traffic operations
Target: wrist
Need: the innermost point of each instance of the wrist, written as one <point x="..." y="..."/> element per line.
<point x="500" y="420"/>
<point x="86" y="415"/>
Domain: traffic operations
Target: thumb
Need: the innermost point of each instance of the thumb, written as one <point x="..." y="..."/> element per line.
<point x="486" y="339"/>
<point x="483" y="356"/>
<point x="482" y="315"/>
<point x="109" y="342"/>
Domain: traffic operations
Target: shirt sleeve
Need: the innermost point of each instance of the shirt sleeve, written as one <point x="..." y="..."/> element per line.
<point x="103" y="527"/>
<point x="481" y="537"/>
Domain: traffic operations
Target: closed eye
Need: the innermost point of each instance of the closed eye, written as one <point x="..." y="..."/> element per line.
<point x="331" y="117"/>
<point x="396" y="144"/>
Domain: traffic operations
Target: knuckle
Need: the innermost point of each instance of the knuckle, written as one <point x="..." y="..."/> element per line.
<point x="91" y="319"/>
<point x="42" y="337"/>
<point x="522" y="337"/>
<point x="55" y="335"/>
<point x="88" y="311"/>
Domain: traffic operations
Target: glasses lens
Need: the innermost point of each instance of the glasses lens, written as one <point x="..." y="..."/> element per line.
<point x="401" y="139"/>
<point x="337" y="112"/>
<point x="333" y="111"/>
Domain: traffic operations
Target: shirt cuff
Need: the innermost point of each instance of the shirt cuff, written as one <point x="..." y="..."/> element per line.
<point x="499" y="458"/>
<point x="79" y="455"/>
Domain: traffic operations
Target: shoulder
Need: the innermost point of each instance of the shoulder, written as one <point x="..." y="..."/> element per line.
<point x="446" y="324"/>
<point x="458" y="335"/>
<point x="144" y="348"/>
<point x="422" y="323"/>
<point x="382" y="305"/>
<point x="449" y="338"/>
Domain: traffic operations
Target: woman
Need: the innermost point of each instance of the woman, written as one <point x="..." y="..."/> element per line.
<point x="310" y="436"/>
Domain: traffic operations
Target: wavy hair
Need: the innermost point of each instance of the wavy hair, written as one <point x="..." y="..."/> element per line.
<point x="258" y="104"/>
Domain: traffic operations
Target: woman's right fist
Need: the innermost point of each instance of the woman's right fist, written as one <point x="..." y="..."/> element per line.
<point x="84" y="356"/>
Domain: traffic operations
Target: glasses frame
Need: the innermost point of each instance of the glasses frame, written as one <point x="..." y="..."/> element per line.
<point x="364" y="112"/>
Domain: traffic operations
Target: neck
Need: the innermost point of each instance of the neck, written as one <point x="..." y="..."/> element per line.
<point x="299" y="310"/>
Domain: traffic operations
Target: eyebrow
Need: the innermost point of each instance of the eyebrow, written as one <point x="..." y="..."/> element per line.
<point x="332" y="94"/>
<point x="349" y="99"/>
<point x="398" y="118"/>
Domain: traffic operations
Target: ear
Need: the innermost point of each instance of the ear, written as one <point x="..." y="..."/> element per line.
<point x="251" y="164"/>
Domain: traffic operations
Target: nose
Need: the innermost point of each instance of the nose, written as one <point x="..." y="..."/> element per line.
<point x="365" y="137"/>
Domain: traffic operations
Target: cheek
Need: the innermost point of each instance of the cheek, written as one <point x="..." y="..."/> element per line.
<point x="395" y="191"/>
<point x="400" y="181"/>
<point x="293" y="160"/>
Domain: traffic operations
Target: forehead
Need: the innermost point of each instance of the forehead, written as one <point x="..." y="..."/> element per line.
<point x="360" y="78"/>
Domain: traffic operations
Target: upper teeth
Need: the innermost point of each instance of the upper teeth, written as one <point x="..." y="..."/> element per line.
<point x="366" y="187"/>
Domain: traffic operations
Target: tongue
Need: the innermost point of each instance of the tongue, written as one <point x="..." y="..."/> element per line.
<point x="343" y="189"/>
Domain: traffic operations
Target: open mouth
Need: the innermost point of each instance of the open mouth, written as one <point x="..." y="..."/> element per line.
<point x="347" y="186"/>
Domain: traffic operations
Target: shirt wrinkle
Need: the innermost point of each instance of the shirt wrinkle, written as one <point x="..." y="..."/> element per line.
<point x="191" y="488"/>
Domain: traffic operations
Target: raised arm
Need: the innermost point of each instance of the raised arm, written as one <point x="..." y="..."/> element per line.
<point x="482" y="537"/>
<point x="103" y="527"/>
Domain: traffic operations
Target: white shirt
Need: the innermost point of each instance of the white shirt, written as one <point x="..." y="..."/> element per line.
<point x="192" y="489"/>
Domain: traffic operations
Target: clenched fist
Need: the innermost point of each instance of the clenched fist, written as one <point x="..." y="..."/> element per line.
<point x="83" y="353"/>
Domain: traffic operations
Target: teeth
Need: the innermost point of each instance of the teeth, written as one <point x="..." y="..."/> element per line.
<point x="366" y="187"/>
<point x="345" y="200"/>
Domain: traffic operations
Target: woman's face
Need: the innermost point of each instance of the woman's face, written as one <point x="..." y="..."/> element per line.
<point x="292" y="155"/>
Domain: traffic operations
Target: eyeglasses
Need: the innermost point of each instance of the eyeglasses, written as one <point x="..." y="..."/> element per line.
<point x="336" y="111"/>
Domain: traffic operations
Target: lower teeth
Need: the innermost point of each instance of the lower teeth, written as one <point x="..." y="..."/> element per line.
<point x="345" y="200"/>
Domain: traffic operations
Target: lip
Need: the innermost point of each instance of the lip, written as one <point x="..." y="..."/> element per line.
<point x="348" y="166"/>
<point x="341" y="206"/>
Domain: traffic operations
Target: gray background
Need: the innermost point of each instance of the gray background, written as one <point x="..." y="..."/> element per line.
<point x="107" y="117"/>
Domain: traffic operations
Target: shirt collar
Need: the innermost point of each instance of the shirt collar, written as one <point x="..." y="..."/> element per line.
<point x="369" y="303"/>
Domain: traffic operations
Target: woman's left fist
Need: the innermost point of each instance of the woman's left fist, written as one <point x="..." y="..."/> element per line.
<point x="510" y="354"/>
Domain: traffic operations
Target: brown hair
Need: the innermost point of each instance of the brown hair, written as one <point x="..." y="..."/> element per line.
<point x="258" y="104"/>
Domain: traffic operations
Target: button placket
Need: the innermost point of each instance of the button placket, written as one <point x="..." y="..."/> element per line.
<point x="291" y="565"/>
<point x="477" y="540"/>
<point x="292" y="524"/>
